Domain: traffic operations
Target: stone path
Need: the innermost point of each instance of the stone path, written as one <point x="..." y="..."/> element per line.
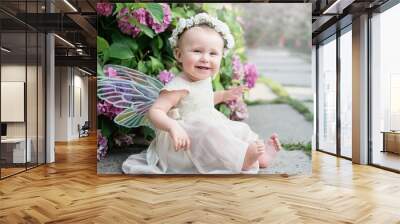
<point x="260" y="92"/>
<point x="281" y="119"/>
<point x="286" y="162"/>
<point x="295" y="75"/>
<point x="281" y="66"/>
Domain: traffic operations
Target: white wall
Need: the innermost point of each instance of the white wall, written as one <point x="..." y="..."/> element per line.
<point x="61" y="103"/>
<point x="70" y="83"/>
<point x="314" y="88"/>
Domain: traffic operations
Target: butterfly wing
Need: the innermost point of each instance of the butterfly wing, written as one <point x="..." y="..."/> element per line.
<point x="131" y="90"/>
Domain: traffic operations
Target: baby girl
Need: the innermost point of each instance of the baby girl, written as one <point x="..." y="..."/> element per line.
<point x="201" y="139"/>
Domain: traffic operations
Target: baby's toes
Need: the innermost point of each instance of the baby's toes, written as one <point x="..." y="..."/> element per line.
<point x="270" y="142"/>
<point x="261" y="148"/>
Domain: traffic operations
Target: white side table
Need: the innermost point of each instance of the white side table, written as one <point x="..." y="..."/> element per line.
<point x="18" y="145"/>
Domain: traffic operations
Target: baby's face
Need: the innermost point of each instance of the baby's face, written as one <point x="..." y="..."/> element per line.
<point x="200" y="51"/>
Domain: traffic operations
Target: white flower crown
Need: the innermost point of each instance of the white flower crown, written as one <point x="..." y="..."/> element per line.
<point x="199" y="19"/>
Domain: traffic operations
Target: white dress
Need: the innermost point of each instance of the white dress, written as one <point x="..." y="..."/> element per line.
<point x="218" y="145"/>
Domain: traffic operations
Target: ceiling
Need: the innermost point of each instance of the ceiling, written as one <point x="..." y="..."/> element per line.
<point x="77" y="27"/>
<point x="330" y="15"/>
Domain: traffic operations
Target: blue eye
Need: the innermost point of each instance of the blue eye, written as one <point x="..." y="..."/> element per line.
<point x="197" y="51"/>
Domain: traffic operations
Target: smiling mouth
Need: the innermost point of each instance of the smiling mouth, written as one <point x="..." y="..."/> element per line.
<point x="203" y="67"/>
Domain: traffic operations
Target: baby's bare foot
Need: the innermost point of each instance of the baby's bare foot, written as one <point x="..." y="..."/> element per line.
<point x="275" y="140"/>
<point x="272" y="146"/>
<point x="254" y="151"/>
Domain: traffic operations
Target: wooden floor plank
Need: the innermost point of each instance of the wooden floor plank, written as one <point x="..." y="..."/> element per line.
<point x="70" y="191"/>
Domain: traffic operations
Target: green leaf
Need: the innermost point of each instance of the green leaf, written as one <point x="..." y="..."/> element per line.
<point x="118" y="7"/>
<point x="107" y="127"/>
<point x="120" y="51"/>
<point x="155" y="50"/>
<point x="142" y="67"/>
<point x="146" y="30"/>
<point x="101" y="44"/>
<point x="178" y="12"/>
<point x="148" y="133"/>
<point x="136" y="5"/>
<point x="106" y="55"/>
<point x="118" y="37"/>
<point x="217" y="84"/>
<point x="99" y="69"/>
<point x="149" y="67"/>
<point x="132" y="44"/>
<point x="134" y="64"/>
<point x="156" y="64"/>
<point x="190" y="13"/>
<point x="174" y="70"/>
<point x="126" y="63"/>
<point x="225" y="110"/>
<point x="156" y="11"/>
<point x="159" y="42"/>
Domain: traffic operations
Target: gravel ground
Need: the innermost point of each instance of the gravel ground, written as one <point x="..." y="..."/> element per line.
<point x="286" y="162"/>
<point x="289" y="162"/>
<point x="281" y="119"/>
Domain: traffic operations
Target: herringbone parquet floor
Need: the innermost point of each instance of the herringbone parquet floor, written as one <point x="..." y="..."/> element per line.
<point x="69" y="191"/>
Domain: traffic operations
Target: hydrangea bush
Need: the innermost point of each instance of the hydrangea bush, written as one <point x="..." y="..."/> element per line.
<point x="136" y="35"/>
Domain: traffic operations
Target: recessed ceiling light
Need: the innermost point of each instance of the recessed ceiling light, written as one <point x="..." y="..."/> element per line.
<point x="70" y="5"/>
<point x="84" y="71"/>
<point x="64" y="40"/>
<point x="5" y="49"/>
<point x="337" y="7"/>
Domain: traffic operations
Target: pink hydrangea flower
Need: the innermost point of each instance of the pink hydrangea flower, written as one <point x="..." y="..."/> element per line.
<point x="104" y="8"/>
<point x="140" y="15"/>
<point x="143" y="17"/>
<point x="111" y="72"/>
<point x="123" y="22"/>
<point x="107" y="109"/>
<point x="165" y="76"/>
<point x="157" y="27"/>
<point x="102" y="146"/>
<point x="237" y="73"/>
<point x="250" y="74"/>
<point x="239" y="110"/>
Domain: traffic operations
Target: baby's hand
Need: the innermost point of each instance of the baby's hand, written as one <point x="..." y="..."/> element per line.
<point x="180" y="138"/>
<point x="234" y="93"/>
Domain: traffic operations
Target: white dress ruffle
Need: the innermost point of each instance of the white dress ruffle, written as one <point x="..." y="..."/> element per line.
<point x="218" y="145"/>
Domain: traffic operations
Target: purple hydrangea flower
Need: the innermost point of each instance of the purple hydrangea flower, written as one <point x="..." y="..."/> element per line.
<point x="104" y="8"/>
<point x="250" y="74"/>
<point x="165" y="76"/>
<point x="239" y="110"/>
<point x="157" y="27"/>
<point x="237" y="68"/>
<point x="140" y="15"/>
<point x="102" y="146"/>
<point x="107" y="109"/>
<point x="111" y="72"/>
<point x="143" y="17"/>
<point x="123" y="22"/>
